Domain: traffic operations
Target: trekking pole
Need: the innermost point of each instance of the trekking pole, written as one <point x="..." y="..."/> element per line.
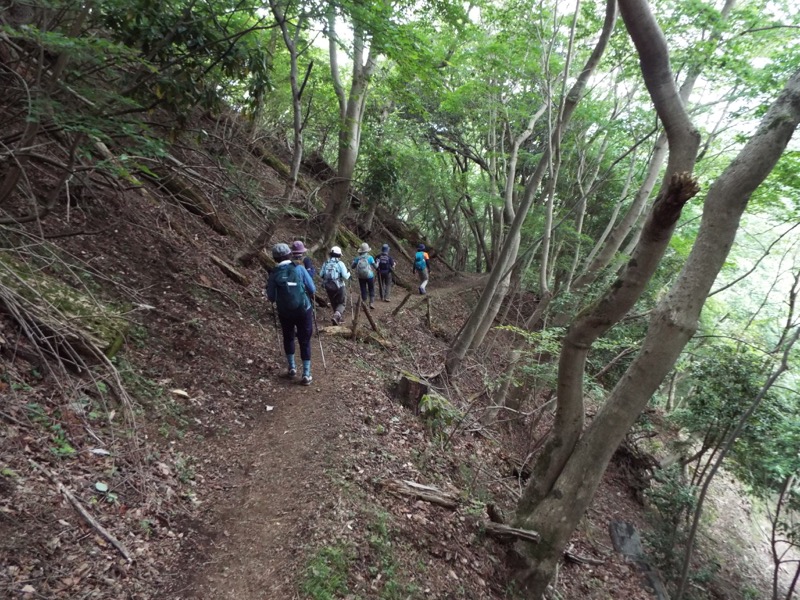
<point x="275" y="322"/>
<point x="319" y="338"/>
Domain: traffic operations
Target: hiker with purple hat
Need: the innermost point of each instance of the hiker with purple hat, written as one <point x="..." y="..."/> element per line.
<point x="299" y="257"/>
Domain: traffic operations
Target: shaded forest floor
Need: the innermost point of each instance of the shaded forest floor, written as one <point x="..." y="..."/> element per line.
<point x="251" y="486"/>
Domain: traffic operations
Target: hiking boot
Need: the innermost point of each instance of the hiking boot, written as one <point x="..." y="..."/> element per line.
<point x="372" y="306"/>
<point x="337" y="318"/>
<point x="290" y="374"/>
<point x="306" y="380"/>
<point x="386" y="299"/>
<point x="421" y="290"/>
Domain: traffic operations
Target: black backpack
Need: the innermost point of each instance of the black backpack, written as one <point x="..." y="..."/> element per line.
<point x="289" y="291"/>
<point x="384" y="263"/>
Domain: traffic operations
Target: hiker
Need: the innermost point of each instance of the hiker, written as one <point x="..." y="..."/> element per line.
<point x="364" y="264"/>
<point x="289" y="287"/>
<point x="422" y="266"/>
<point x="334" y="273"/>
<point x="385" y="270"/>
<point x="298" y="256"/>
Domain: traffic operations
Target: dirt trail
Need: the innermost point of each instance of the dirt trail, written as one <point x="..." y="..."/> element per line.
<point x="251" y="539"/>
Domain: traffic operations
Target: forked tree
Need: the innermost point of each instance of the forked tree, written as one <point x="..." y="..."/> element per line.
<point x="568" y="470"/>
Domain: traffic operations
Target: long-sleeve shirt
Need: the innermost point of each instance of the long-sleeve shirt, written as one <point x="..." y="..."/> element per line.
<point x="344" y="274"/>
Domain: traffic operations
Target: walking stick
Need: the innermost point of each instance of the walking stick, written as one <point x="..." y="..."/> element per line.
<point x="319" y="339"/>
<point x="275" y="322"/>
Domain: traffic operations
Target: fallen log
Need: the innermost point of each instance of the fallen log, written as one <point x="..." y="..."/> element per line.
<point x="194" y="200"/>
<point x="361" y="334"/>
<point x="397" y="243"/>
<point x="229" y="271"/>
<point x="370" y="319"/>
<point x="428" y="493"/>
<point x="401" y="305"/>
<point x="256" y="247"/>
<point x="582" y="560"/>
<point x="507" y="533"/>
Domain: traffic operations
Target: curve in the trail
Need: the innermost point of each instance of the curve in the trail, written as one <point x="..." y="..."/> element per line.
<point x="252" y="538"/>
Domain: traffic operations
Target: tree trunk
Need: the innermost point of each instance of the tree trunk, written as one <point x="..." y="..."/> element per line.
<point x="351" y="113"/>
<point x="571" y="466"/>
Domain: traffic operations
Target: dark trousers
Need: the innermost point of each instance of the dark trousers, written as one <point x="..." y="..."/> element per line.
<point x="365" y="284"/>
<point x="304" y="325"/>
<point x="338" y="299"/>
<point x="386" y="284"/>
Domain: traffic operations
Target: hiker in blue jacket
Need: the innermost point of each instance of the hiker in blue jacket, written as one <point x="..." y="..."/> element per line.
<point x="364" y="265"/>
<point x="289" y="287"/>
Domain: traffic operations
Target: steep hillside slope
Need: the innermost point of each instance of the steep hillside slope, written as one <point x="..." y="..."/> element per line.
<point x="150" y="448"/>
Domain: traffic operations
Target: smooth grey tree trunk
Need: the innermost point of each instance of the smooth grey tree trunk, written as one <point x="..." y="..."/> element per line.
<point x="351" y="113"/>
<point x="567" y="473"/>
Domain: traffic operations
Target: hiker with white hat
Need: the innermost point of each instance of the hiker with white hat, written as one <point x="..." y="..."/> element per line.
<point x="334" y="273"/>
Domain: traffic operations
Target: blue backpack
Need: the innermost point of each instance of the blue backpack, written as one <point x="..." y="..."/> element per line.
<point x="290" y="293"/>
<point x="419" y="261"/>
<point x="331" y="276"/>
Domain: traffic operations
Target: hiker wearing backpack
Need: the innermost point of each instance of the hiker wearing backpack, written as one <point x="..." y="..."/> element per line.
<point x="334" y="273"/>
<point x="298" y="256"/>
<point x="289" y="287"/>
<point x="422" y="267"/>
<point x="385" y="270"/>
<point x="364" y="264"/>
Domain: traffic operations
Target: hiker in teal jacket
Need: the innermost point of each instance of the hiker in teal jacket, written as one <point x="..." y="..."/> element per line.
<point x="364" y="265"/>
<point x="290" y="286"/>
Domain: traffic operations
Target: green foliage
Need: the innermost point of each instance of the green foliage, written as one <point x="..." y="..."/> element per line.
<point x="725" y="382"/>
<point x="381" y="176"/>
<point x="325" y="576"/>
<point x="192" y="50"/>
<point x="672" y="501"/>
<point x="438" y="412"/>
<point x="765" y="455"/>
<point x="61" y="447"/>
<point x="385" y="563"/>
<point x="543" y="345"/>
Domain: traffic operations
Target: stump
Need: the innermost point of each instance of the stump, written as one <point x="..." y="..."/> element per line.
<point x="411" y="390"/>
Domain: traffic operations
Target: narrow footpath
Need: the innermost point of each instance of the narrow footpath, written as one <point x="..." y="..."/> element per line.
<point x="250" y="540"/>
